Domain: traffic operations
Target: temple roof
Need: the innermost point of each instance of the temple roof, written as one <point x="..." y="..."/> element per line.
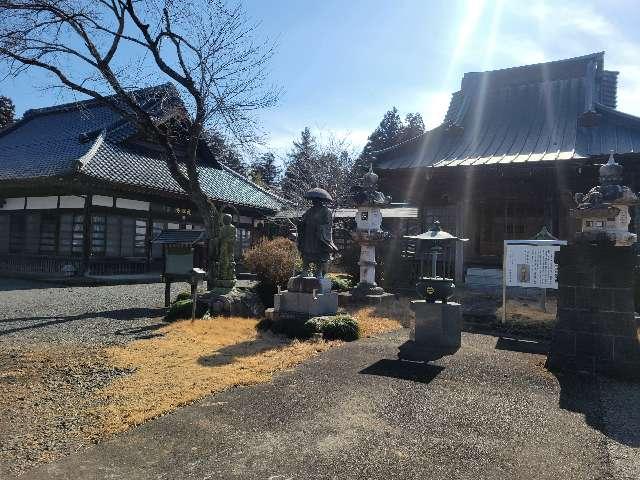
<point x="87" y="139"/>
<point x="550" y="111"/>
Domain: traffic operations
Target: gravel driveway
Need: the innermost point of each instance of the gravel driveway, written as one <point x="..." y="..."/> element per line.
<point x="52" y="341"/>
<point x="37" y="312"/>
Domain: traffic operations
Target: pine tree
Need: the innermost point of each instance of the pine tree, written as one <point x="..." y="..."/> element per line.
<point x="389" y="133"/>
<point x="413" y="126"/>
<point x="265" y="171"/>
<point x="297" y="177"/>
<point x="7" y="112"/>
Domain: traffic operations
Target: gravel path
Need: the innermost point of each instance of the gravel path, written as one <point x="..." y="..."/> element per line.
<point x="355" y="412"/>
<point x="38" y="312"/>
<point x="52" y="341"/>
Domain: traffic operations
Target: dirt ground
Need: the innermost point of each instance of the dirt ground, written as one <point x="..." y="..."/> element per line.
<point x="55" y="400"/>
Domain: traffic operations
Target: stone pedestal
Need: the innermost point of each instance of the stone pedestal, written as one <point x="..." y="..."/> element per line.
<point x="596" y="330"/>
<point x="306" y="297"/>
<point x="437" y="331"/>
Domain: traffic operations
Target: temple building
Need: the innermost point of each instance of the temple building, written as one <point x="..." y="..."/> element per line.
<point x="513" y="148"/>
<point x="84" y="191"/>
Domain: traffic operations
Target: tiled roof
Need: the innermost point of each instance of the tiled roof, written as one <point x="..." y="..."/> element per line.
<point x="546" y="112"/>
<point x="86" y="138"/>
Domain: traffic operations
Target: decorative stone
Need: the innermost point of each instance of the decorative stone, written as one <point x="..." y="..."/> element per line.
<point x="604" y="210"/>
<point x="368" y="233"/>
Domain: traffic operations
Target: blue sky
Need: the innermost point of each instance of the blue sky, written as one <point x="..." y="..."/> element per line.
<point x="343" y="64"/>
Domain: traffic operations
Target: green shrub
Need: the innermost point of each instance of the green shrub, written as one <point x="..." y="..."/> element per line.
<point x="185" y="295"/>
<point x="182" y="310"/>
<point x="340" y="281"/>
<point x="273" y="262"/>
<point x="339" y="327"/>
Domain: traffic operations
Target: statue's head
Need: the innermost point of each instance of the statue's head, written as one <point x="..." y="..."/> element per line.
<point x="226" y="219"/>
<point x="318" y="196"/>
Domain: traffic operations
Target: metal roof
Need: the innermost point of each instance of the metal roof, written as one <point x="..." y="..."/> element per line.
<point x="394" y="212"/>
<point x="546" y="112"/>
<point x="86" y="138"/>
<point x="180" y="236"/>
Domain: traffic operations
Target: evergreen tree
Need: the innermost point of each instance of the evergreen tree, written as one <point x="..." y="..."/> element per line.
<point x="390" y="132"/>
<point x="297" y="177"/>
<point x="7" y="112"/>
<point x="413" y="126"/>
<point x="265" y="171"/>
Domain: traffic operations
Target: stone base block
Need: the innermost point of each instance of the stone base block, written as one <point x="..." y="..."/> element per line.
<point x="437" y="325"/>
<point x="305" y="304"/>
<point x="347" y="298"/>
<point x="309" y="284"/>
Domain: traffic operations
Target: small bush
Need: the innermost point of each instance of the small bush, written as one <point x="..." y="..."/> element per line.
<point x="183" y="296"/>
<point x="340" y="282"/>
<point x="273" y="262"/>
<point x="180" y="310"/>
<point x="340" y="327"/>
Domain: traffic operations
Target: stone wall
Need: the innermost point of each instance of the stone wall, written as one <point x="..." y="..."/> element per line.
<point x="596" y="329"/>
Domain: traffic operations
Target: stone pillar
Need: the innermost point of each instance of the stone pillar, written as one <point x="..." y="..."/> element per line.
<point x="368" y="264"/>
<point x="596" y="329"/>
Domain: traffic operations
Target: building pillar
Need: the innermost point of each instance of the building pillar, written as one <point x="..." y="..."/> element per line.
<point x="86" y="235"/>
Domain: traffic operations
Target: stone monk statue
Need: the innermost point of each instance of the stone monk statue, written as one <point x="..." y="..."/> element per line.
<point x="226" y="245"/>
<point x="315" y="239"/>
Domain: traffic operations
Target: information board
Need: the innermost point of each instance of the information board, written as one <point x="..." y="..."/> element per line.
<point x="529" y="265"/>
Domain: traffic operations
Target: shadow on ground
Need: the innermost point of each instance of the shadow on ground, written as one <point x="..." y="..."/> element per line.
<point x="229" y="354"/>
<point x="607" y="405"/>
<point x="522" y="346"/>
<point x="121" y="314"/>
<point x="413" y="371"/>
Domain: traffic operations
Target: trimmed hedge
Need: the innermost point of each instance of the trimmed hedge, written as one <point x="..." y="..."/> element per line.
<point x="337" y="327"/>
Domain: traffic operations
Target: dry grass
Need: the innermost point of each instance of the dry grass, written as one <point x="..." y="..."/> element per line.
<point x="190" y="360"/>
<point x="384" y="318"/>
<point x="528" y="312"/>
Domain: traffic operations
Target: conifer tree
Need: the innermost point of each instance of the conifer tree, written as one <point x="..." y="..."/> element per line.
<point x="7" y="112"/>
<point x="388" y="133"/>
<point x="413" y="126"/>
<point x="265" y="171"/>
<point x="297" y="175"/>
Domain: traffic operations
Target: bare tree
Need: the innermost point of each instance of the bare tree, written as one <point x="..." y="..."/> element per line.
<point x="325" y="162"/>
<point x="109" y="49"/>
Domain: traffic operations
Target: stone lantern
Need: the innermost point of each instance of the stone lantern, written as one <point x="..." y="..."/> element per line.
<point x="368" y="233"/>
<point x="596" y="329"/>
<point x="604" y="210"/>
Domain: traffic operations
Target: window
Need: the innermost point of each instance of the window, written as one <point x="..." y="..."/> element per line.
<point x="243" y="241"/>
<point x="156" y="248"/>
<point x="71" y="234"/>
<point x="48" y="226"/>
<point x="113" y="236"/>
<point x="17" y="233"/>
<point x="32" y="233"/>
<point x="98" y="235"/>
<point x="5" y="221"/>
<point x="140" y="245"/>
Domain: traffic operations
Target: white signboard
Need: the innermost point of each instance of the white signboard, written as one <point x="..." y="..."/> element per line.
<point x="529" y="264"/>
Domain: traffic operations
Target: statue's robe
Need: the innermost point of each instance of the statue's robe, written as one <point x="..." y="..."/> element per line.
<point x="315" y="239"/>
